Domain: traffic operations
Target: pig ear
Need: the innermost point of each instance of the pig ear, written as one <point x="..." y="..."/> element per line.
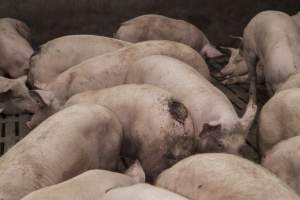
<point x="136" y="172"/>
<point x="5" y="85"/>
<point x="42" y="97"/>
<point x="236" y="37"/>
<point x="210" y="128"/>
<point x="210" y="51"/>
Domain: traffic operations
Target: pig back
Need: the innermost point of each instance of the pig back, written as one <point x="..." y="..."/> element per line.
<point x="59" y="149"/>
<point x="199" y="177"/>
<point x="93" y="184"/>
<point x="158" y="129"/>
<point x="57" y="55"/>
<point x="141" y="192"/>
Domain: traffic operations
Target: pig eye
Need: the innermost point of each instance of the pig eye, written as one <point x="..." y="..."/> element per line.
<point x="37" y="101"/>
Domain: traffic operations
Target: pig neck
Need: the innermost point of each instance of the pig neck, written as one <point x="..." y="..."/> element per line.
<point x="60" y="90"/>
<point x="213" y="108"/>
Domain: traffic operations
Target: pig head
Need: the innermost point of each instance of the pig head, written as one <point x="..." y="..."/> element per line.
<point x="15" y="50"/>
<point x="236" y="65"/>
<point x="218" y="136"/>
<point x="236" y="70"/>
<point x="15" y="97"/>
<point x="48" y="105"/>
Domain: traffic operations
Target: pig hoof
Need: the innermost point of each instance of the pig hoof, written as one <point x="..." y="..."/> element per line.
<point x="28" y="125"/>
<point x="218" y="75"/>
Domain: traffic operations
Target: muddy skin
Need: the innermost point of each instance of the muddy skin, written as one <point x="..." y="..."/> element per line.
<point x="213" y="139"/>
<point x="178" y="111"/>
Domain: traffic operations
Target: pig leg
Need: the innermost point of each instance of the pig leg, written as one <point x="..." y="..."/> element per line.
<point x="251" y="61"/>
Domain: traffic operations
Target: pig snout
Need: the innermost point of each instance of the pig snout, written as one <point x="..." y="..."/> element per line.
<point x="228" y="70"/>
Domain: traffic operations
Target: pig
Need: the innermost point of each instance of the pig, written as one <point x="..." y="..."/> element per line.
<point x="158" y="129"/>
<point x="15" y="49"/>
<point x="15" y="97"/>
<point x="223" y="177"/>
<point x="157" y="27"/>
<point x="67" y="144"/>
<point x="108" y="70"/>
<point x="236" y="70"/>
<point x="296" y="18"/>
<point x="90" y="185"/>
<point x="273" y="38"/>
<point x="279" y="119"/>
<point x="292" y="82"/>
<point x="217" y="125"/>
<point x="102" y="185"/>
<point x="58" y="55"/>
<point x="141" y="191"/>
<point x="283" y="161"/>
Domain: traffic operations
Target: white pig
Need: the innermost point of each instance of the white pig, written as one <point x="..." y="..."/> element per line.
<point x="296" y="18"/>
<point x="77" y="139"/>
<point x="283" y="161"/>
<point x="141" y="192"/>
<point x="236" y="70"/>
<point x="279" y="119"/>
<point x="157" y="27"/>
<point x="273" y="38"/>
<point x="15" y="97"/>
<point x="158" y="129"/>
<point x="216" y="122"/>
<point x="91" y="185"/>
<point x="58" y="55"/>
<point x="110" y="70"/>
<point x="223" y="177"/>
<point x="15" y="50"/>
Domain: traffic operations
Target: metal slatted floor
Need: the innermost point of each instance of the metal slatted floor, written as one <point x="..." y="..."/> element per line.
<point x="12" y="130"/>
